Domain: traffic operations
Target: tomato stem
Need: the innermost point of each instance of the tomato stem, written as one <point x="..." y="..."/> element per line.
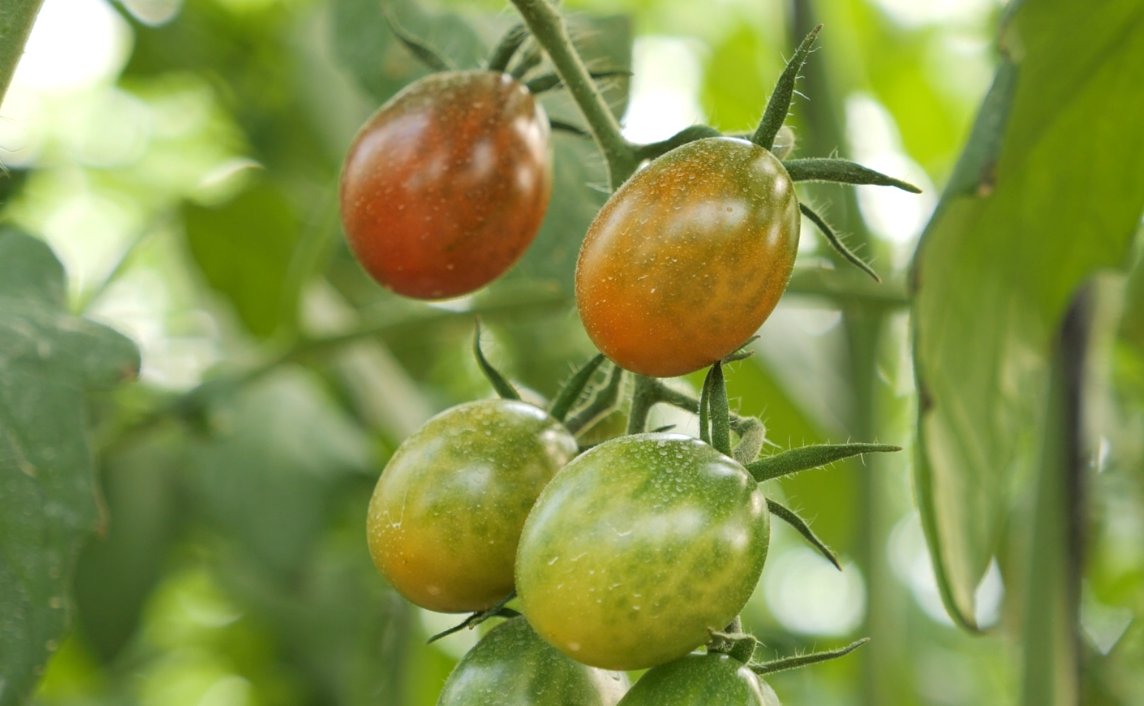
<point x="550" y="30"/>
<point x="643" y="398"/>
<point x="687" y="134"/>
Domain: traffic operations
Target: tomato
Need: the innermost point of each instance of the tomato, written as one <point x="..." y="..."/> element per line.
<point x="688" y="258"/>
<point x="511" y="665"/>
<point x="639" y="548"/>
<point x="701" y="680"/>
<point x="445" y="186"/>
<point x="447" y="510"/>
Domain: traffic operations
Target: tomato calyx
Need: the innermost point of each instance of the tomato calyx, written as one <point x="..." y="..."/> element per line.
<point x="787" y="663"/>
<point x="499" y="610"/>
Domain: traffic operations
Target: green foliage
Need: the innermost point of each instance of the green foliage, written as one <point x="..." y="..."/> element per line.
<point x="217" y="506"/>
<point x="993" y="275"/>
<point x="50" y="360"/>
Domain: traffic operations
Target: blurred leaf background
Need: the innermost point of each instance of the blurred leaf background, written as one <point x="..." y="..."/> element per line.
<point x="181" y="157"/>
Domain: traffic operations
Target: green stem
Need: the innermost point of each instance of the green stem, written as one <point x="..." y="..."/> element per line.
<point x="643" y="397"/>
<point x="549" y="29"/>
<point x="16" y="20"/>
<point x="843" y="290"/>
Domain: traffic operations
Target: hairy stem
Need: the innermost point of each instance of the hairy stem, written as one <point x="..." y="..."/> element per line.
<point x="549" y="29"/>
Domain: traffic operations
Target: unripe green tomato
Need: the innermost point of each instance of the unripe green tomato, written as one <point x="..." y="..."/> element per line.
<point x="639" y="548"/>
<point x="446" y="513"/>
<point x="701" y="680"/>
<point x="688" y="258"/>
<point x="513" y="666"/>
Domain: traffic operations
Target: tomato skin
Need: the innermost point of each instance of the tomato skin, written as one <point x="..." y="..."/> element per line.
<point x="701" y="680"/>
<point x="446" y="185"/>
<point x="512" y="665"/>
<point x="446" y="513"/>
<point x="640" y="547"/>
<point x="688" y="258"/>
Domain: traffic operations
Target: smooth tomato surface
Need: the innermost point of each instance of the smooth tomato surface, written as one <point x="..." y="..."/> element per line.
<point x="701" y="680"/>
<point x="638" y="548"/>
<point x="445" y="186"/>
<point x="688" y="258"/>
<point x="512" y="665"/>
<point x="447" y="510"/>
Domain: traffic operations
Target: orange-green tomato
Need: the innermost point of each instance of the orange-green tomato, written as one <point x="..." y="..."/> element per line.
<point x="688" y="258"/>
<point x="446" y="513"/>
<point x="447" y="183"/>
<point x="639" y="548"/>
<point x="701" y="680"/>
<point x="513" y="666"/>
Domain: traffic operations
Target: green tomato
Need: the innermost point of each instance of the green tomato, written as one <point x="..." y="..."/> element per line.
<point x="639" y="548"/>
<point x="701" y="680"/>
<point x="447" y="511"/>
<point x="512" y="665"/>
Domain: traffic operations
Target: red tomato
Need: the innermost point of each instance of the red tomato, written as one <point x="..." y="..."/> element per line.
<point x="446" y="185"/>
<point x="689" y="257"/>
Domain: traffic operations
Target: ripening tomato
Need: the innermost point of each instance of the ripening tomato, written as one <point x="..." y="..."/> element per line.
<point x="511" y="665"/>
<point x="701" y="680"/>
<point x="445" y="186"/>
<point x="446" y="513"/>
<point x="688" y="258"/>
<point x="639" y="548"/>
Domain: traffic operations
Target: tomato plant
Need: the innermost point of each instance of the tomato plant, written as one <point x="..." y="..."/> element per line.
<point x="447" y="510"/>
<point x="698" y="680"/>
<point x="512" y="665"/>
<point x="689" y="257"/>
<point x="639" y="548"/>
<point x="446" y="185"/>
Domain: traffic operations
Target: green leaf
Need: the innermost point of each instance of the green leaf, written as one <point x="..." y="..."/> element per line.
<point x="245" y="249"/>
<point x="264" y="477"/>
<point x="48" y="359"/>
<point x="994" y="274"/>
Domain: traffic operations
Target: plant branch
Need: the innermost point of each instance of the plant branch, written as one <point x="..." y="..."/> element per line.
<point x="16" y="20"/>
<point x="549" y="30"/>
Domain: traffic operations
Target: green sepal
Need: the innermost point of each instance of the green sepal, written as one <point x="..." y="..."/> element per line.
<point x="842" y="171"/>
<point x="781" y="665"/>
<point x="424" y="53"/>
<point x="496" y="611"/>
<point x="572" y="389"/>
<point x="801" y="526"/>
<point x="502" y="386"/>
<point x="836" y="242"/>
<point x="779" y="104"/>
<point x="807" y="457"/>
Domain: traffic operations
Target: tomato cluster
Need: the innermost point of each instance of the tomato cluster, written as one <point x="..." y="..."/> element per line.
<point x="635" y="553"/>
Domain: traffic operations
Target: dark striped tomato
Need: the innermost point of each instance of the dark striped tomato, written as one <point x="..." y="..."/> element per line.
<point x="446" y="513"/>
<point x="689" y="257"/>
<point x="701" y="680"/>
<point x="639" y="548"/>
<point x="511" y="665"/>
<point x="446" y="185"/>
